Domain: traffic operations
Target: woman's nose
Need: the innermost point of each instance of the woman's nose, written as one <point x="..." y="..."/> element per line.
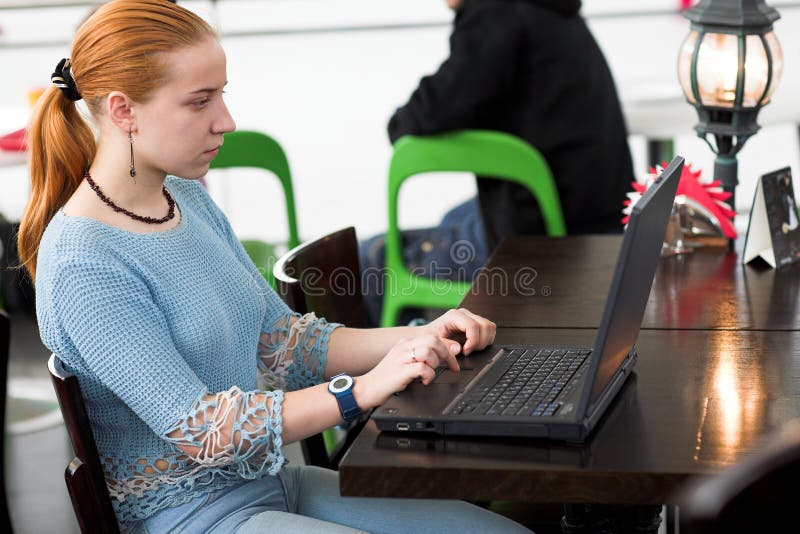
<point x="224" y="122"/>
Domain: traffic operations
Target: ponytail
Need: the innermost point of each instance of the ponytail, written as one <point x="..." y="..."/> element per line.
<point x="61" y="145"/>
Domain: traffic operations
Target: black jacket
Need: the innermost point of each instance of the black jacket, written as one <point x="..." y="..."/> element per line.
<point x="531" y="68"/>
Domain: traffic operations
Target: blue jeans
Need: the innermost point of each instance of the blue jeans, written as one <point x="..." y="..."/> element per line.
<point x="455" y="250"/>
<point x="302" y="499"/>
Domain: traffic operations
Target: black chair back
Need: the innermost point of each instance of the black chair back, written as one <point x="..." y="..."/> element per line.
<point x="757" y="494"/>
<point x="324" y="276"/>
<point x="5" y="342"/>
<point x="84" y="475"/>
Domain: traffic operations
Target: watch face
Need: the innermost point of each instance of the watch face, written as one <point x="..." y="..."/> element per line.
<point x="340" y="383"/>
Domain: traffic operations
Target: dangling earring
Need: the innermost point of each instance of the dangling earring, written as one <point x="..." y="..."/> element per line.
<point x="133" y="167"/>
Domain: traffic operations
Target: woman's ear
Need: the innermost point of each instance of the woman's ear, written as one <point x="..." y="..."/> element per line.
<point x="120" y="111"/>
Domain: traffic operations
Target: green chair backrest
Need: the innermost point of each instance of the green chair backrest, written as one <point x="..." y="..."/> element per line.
<point x="244" y="148"/>
<point x="485" y="153"/>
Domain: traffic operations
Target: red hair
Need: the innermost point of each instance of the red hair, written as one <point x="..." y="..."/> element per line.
<point x="118" y="48"/>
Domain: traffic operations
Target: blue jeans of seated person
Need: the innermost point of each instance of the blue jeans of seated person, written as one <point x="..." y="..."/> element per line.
<point x="455" y="250"/>
<point x="303" y="499"/>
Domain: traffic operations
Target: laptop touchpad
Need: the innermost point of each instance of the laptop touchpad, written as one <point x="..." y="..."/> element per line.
<point x="449" y="377"/>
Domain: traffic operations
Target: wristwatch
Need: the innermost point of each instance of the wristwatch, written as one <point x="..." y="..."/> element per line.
<point x="341" y="387"/>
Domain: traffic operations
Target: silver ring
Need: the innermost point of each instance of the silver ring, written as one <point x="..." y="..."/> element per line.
<point x="413" y="355"/>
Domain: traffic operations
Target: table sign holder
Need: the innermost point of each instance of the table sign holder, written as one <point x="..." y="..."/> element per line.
<point x="773" y="231"/>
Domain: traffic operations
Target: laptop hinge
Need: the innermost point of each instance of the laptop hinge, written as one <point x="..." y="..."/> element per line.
<point x="598" y="408"/>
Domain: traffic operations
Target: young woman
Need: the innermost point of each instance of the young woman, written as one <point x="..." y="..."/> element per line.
<point x="145" y="293"/>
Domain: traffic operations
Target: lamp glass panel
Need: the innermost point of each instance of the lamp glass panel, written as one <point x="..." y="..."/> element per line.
<point x="756" y="70"/>
<point x="685" y="65"/>
<point x="777" y="62"/>
<point x="717" y="67"/>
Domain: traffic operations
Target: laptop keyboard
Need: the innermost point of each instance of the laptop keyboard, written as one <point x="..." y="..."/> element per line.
<point x="524" y="382"/>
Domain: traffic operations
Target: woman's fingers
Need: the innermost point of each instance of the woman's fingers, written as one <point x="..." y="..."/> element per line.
<point x="408" y="360"/>
<point x="436" y="351"/>
<point x="464" y="321"/>
<point x="487" y="329"/>
<point x="424" y="372"/>
<point x="422" y="352"/>
<point x="478" y="332"/>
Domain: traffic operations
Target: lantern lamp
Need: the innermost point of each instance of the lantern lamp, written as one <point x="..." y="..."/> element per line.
<point x="728" y="67"/>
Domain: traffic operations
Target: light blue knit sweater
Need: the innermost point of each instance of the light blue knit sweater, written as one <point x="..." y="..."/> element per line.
<point x="150" y="323"/>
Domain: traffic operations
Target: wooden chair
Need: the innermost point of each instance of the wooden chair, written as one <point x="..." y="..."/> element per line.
<point x="757" y="494"/>
<point x="5" y="339"/>
<point x="84" y="475"/>
<point x="324" y="276"/>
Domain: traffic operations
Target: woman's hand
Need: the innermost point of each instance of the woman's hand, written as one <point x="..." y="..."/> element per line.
<point x="408" y="360"/>
<point x="455" y="324"/>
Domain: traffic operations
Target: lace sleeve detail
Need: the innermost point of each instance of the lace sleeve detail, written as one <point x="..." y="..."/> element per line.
<point x="293" y="353"/>
<point x="255" y="442"/>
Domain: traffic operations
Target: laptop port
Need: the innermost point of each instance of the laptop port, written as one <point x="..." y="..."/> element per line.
<point x="402" y="426"/>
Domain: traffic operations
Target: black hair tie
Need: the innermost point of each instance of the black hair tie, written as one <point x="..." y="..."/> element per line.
<point x="62" y="78"/>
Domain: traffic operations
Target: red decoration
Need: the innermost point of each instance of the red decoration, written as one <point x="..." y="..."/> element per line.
<point x="14" y="142"/>
<point x="707" y="193"/>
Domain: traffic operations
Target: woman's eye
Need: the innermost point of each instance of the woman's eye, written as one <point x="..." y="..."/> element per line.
<point x="200" y="103"/>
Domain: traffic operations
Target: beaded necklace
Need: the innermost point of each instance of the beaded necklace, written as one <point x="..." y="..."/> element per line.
<point x="149" y="220"/>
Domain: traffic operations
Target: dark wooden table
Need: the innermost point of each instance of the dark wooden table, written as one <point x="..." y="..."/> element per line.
<point x="718" y="372"/>
<point x="562" y="283"/>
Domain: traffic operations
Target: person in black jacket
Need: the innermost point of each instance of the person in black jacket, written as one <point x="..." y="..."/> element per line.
<point x="530" y="68"/>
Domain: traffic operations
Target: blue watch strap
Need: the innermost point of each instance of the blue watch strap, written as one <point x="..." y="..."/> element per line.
<point x="341" y="386"/>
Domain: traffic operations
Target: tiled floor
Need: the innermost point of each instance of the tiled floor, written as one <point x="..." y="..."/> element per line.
<point x="37" y="447"/>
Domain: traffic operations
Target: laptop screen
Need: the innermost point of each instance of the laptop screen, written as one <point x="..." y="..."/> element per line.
<point x="633" y="277"/>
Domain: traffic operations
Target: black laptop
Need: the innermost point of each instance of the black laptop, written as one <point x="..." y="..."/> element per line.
<point x="556" y="392"/>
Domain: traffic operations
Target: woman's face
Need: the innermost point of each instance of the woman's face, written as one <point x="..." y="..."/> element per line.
<point x="179" y="129"/>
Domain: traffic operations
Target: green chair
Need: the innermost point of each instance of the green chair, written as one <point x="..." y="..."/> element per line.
<point x="485" y="153"/>
<point x="245" y="148"/>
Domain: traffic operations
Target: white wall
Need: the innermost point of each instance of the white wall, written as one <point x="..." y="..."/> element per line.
<point x="326" y="96"/>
